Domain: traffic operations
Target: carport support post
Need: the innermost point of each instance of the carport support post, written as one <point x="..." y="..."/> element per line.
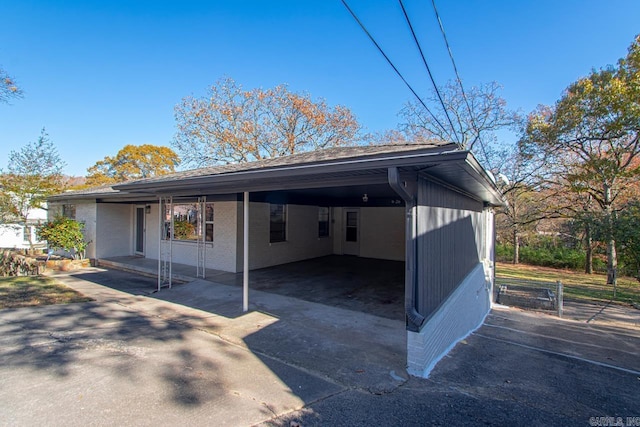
<point x="245" y="257"/>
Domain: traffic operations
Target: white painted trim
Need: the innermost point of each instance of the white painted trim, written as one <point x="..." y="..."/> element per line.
<point x="245" y="258"/>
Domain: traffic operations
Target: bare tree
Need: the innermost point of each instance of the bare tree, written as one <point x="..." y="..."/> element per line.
<point x="8" y="88"/>
<point x="476" y="115"/>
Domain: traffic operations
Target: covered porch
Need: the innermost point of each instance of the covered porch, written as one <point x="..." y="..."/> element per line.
<point x="371" y="286"/>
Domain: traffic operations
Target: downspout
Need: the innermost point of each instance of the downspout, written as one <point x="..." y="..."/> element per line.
<point x="413" y="318"/>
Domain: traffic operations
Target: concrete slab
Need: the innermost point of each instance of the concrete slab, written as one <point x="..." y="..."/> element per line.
<point x="302" y="333"/>
<point x="104" y="364"/>
<point x="367" y="285"/>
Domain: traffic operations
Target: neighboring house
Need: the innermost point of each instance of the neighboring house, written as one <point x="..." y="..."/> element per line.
<point x="15" y="235"/>
<point x="430" y="205"/>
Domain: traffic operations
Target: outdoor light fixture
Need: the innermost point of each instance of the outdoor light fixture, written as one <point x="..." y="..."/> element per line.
<point x="147" y="209"/>
<point x="365" y="198"/>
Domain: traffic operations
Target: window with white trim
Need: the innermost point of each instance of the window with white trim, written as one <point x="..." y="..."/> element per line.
<point x="185" y="222"/>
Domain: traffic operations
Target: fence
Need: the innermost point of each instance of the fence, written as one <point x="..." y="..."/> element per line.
<point x="537" y="295"/>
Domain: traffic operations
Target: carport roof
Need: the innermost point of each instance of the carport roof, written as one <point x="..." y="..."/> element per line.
<point x="337" y="166"/>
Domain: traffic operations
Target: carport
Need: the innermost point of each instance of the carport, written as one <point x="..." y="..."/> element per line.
<point x="365" y="285"/>
<point x="428" y="207"/>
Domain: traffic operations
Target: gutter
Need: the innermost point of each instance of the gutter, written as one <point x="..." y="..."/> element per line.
<point x="414" y="319"/>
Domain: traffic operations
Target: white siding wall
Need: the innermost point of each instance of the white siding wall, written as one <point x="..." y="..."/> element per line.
<point x="302" y="237"/>
<point x="382" y="233"/>
<point x="114" y="232"/>
<point x="12" y="236"/>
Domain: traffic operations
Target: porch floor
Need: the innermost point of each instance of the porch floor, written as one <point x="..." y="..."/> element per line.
<point x="367" y="285"/>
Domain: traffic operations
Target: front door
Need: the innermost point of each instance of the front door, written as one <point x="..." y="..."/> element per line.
<point x="351" y="243"/>
<point x="139" y="243"/>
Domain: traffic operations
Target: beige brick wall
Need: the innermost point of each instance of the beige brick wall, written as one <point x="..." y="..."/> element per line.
<point x="86" y="213"/>
<point x="114" y="233"/>
<point x="302" y="237"/>
<point x="382" y="233"/>
<point x="220" y="255"/>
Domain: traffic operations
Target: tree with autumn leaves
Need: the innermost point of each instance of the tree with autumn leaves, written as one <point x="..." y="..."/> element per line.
<point x="133" y="162"/>
<point x="592" y="138"/>
<point x="231" y="124"/>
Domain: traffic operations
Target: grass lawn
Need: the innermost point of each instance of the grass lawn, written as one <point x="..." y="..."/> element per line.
<point x="576" y="285"/>
<point x="29" y="291"/>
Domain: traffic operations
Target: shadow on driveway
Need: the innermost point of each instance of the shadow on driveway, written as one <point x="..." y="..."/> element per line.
<point x="131" y="359"/>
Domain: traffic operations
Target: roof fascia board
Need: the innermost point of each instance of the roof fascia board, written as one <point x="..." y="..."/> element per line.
<point x="307" y="169"/>
<point x="480" y="174"/>
<point x="270" y="185"/>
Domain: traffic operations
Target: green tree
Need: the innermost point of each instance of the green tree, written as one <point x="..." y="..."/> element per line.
<point x="592" y="136"/>
<point x="66" y="234"/>
<point x="628" y="236"/>
<point x="133" y="162"/>
<point x="232" y="125"/>
<point x="33" y="174"/>
<point x="8" y="88"/>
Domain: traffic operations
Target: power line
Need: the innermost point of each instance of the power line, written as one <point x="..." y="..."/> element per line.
<point x="392" y="65"/>
<point x="424" y="61"/>
<point x="459" y="80"/>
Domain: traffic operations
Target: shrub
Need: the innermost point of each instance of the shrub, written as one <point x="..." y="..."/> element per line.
<point x="14" y="264"/>
<point x="66" y="234"/>
<point x="183" y="230"/>
<point x="546" y="255"/>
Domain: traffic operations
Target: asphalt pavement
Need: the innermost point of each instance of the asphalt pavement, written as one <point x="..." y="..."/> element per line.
<point x="179" y="357"/>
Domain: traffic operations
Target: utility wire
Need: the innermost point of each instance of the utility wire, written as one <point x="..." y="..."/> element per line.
<point x="392" y="66"/>
<point x="464" y="95"/>
<point x="424" y="61"/>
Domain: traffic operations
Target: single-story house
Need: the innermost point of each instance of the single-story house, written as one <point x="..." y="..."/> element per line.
<point x="16" y="234"/>
<point x="429" y="205"/>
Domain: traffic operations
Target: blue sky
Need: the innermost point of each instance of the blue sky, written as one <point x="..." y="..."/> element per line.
<point x="100" y="75"/>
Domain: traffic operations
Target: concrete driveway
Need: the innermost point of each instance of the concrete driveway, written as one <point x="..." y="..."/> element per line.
<point x="188" y="356"/>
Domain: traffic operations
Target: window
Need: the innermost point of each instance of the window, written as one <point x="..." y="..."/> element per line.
<point x="185" y="221"/>
<point x="277" y="223"/>
<point x="69" y="211"/>
<point x="323" y="221"/>
<point x="208" y="222"/>
<point x="352" y="227"/>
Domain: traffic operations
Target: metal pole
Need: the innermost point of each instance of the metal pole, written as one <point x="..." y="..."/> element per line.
<point x="560" y="297"/>
<point x="171" y="243"/>
<point x="245" y="258"/>
<point x="161" y="229"/>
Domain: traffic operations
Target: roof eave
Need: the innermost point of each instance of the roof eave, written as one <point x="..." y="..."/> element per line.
<point x="293" y="171"/>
